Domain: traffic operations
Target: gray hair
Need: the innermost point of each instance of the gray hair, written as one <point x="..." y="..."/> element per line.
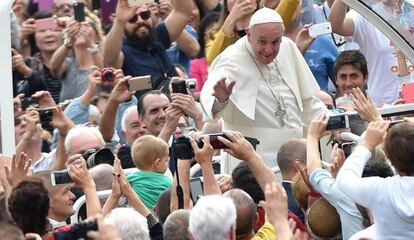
<point x="94" y="111"/>
<point x="176" y="225"/>
<point x="125" y="115"/>
<point x="130" y="224"/>
<point x="212" y="218"/>
<point x="81" y="130"/>
<point x="102" y="176"/>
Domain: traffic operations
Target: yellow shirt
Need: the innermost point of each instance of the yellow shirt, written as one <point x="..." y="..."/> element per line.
<point x="266" y="232"/>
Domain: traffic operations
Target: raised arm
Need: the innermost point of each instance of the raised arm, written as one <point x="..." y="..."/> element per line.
<point x="204" y="157"/>
<point x="119" y="94"/>
<point x="178" y="18"/>
<point x="342" y="23"/>
<point x="188" y="44"/>
<point x="316" y="131"/>
<point x="112" y="50"/>
<point x="240" y="148"/>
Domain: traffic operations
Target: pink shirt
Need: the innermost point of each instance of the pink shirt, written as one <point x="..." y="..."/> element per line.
<point x="199" y="70"/>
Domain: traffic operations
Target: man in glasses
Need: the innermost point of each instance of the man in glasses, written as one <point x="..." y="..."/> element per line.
<point x="142" y="50"/>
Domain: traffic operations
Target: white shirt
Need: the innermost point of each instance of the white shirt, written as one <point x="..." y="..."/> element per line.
<point x="380" y="55"/>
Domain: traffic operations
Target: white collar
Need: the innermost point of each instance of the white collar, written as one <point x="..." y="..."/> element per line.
<point x="56" y="224"/>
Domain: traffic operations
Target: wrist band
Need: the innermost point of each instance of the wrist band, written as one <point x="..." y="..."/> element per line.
<point x="151" y="220"/>
<point x="221" y="104"/>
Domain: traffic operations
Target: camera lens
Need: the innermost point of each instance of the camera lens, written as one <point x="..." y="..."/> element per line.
<point x="107" y="75"/>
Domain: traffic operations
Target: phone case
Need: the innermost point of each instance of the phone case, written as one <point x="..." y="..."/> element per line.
<point x="320" y="29"/>
<point x="45" y="24"/>
<point x="139" y="2"/>
<point x="79" y="11"/>
<point x="140" y="83"/>
<point x="407" y="92"/>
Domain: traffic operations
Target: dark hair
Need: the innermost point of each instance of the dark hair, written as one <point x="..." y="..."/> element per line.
<point x="162" y="206"/>
<point x="29" y="206"/>
<point x="377" y="168"/>
<point x="244" y="179"/>
<point x="31" y="38"/>
<point x="354" y="58"/>
<point x="205" y="22"/>
<point x="140" y="105"/>
<point x="4" y="213"/>
<point x="202" y="9"/>
<point x="399" y="147"/>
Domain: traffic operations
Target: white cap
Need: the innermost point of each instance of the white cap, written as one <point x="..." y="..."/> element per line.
<point x="265" y="15"/>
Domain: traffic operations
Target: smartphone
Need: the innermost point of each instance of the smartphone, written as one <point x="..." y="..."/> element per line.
<point x="196" y="189"/>
<point x="60" y="177"/>
<point x="179" y="86"/>
<point x="320" y="29"/>
<point x="347" y="148"/>
<point x="336" y="122"/>
<point x="407" y="92"/>
<point x="216" y="143"/>
<point x="139" y="2"/>
<point x="140" y="83"/>
<point x="46" y="24"/>
<point x="79" y="11"/>
<point x="29" y="102"/>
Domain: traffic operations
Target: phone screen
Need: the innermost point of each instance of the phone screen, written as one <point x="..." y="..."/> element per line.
<point x="61" y="177"/>
<point x="407" y="92"/>
<point x="196" y="189"/>
<point x="336" y="122"/>
<point x="140" y="83"/>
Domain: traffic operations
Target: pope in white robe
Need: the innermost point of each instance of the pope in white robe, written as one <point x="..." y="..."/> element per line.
<point x="270" y="89"/>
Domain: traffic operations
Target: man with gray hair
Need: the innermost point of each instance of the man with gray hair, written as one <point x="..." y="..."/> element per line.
<point x="176" y="225"/>
<point x="130" y="224"/>
<point x="213" y="218"/>
<point x="262" y="87"/>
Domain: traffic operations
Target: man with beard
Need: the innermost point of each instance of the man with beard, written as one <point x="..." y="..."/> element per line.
<point x="142" y="52"/>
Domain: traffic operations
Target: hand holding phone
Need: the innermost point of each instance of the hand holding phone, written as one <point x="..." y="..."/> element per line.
<point x="179" y="86"/>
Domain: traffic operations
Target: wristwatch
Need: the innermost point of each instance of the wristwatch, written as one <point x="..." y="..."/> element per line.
<point x="94" y="49"/>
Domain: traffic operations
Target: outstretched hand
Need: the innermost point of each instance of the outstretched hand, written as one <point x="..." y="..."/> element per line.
<point x="238" y="146"/>
<point x="337" y="159"/>
<point x="203" y="155"/>
<point x="222" y="90"/>
<point x="19" y="169"/>
<point x="364" y="106"/>
<point x="317" y="128"/>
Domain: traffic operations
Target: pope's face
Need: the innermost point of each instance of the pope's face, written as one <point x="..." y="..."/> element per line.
<point x="265" y="40"/>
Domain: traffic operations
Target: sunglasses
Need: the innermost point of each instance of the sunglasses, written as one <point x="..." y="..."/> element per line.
<point x="145" y="15"/>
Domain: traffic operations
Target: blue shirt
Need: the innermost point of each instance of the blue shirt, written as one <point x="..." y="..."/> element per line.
<point x="351" y="219"/>
<point x="179" y="57"/>
<point x="320" y="57"/>
<point x="152" y="61"/>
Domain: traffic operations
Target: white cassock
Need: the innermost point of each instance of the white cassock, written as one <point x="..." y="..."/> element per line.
<point x="261" y="95"/>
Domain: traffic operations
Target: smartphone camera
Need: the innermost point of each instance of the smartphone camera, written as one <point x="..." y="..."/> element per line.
<point x="60" y="177"/>
<point x="179" y="87"/>
<point x="107" y="75"/>
<point x="79" y="11"/>
<point x="30" y="102"/>
<point x="45" y="116"/>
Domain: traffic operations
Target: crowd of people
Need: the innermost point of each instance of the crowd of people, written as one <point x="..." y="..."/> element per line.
<point x="204" y="120"/>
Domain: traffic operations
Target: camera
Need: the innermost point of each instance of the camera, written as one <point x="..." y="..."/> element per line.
<point x="107" y="75"/>
<point x="30" y="102"/>
<point x="95" y="157"/>
<point x="182" y="148"/>
<point x="191" y="84"/>
<point x="45" y="116"/>
<point x="179" y="87"/>
<point x="78" y="231"/>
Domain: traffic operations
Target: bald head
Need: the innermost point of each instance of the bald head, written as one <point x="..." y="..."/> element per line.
<point x="246" y="211"/>
<point x="290" y="151"/>
<point x="326" y="99"/>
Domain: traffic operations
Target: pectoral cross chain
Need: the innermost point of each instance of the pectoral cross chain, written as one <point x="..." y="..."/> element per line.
<point x="280" y="113"/>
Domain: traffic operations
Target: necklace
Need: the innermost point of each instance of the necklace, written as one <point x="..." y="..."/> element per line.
<point x="280" y="112"/>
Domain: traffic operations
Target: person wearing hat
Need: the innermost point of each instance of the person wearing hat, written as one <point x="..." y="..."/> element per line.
<point x="262" y="87"/>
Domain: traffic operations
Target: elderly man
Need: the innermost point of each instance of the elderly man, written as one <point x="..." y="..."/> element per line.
<point x="262" y="87"/>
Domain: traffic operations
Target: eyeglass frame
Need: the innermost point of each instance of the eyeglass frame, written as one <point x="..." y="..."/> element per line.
<point x="145" y="17"/>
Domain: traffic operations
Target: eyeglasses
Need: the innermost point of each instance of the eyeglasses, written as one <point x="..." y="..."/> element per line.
<point x="145" y="15"/>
